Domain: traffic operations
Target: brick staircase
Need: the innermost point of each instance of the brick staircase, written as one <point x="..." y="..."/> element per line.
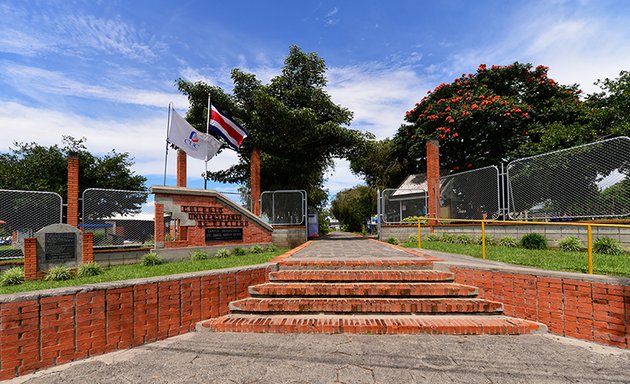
<point x="364" y="296"/>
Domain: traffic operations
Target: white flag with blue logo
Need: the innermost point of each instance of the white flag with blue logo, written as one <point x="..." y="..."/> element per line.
<point x="196" y="144"/>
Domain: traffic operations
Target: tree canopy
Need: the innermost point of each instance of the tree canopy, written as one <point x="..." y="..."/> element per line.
<point x="354" y="206"/>
<point x="292" y="120"/>
<point x="494" y="115"/>
<point x="33" y="167"/>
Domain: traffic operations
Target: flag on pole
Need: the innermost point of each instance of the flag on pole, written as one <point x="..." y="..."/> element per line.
<point x="228" y="129"/>
<point x="196" y="144"/>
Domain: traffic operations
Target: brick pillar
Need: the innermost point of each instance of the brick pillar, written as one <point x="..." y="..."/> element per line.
<point x="88" y="248"/>
<point x="181" y="169"/>
<point x="433" y="178"/>
<point x="158" y="230"/>
<point x="254" y="173"/>
<point x="72" y="214"/>
<point x="30" y="259"/>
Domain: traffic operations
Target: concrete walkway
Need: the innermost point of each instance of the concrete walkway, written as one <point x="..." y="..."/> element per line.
<point x="347" y="246"/>
<point x="206" y="357"/>
<point x="274" y="358"/>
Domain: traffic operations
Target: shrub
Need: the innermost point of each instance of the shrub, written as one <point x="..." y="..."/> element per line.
<point x="490" y="240"/>
<point x="12" y="276"/>
<point x="607" y="246"/>
<point x="508" y="241"/>
<point x="272" y="248"/>
<point x="433" y="237"/>
<point x="393" y="240"/>
<point x="256" y="249"/>
<point x="222" y="253"/>
<point x="412" y="239"/>
<point x="58" y="273"/>
<point x="534" y="241"/>
<point x="463" y="239"/>
<point x="448" y="238"/>
<point x="199" y="255"/>
<point x="89" y="269"/>
<point x="238" y="251"/>
<point x="570" y="244"/>
<point x="151" y="259"/>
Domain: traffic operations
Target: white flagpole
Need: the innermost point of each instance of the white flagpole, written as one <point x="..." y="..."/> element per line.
<point x="205" y="175"/>
<point x="168" y="128"/>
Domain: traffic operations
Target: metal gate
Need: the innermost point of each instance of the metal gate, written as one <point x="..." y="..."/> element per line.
<point x="284" y="207"/>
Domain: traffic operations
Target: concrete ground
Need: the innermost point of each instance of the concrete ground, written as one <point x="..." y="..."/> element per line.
<point x="205" y="357"/>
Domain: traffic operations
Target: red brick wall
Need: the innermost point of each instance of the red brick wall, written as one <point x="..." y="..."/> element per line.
<point x="254" y="172"/>
<point x="181" y="168"/>
<point x="581" y="309"/>
<point x="433" y="178"/>
<point x="30" y="259"/>
<point x="72" y="215"/>
<point x="54" y="329"/>
<point x="195" y="236"/>
<point x="88" y="248"/>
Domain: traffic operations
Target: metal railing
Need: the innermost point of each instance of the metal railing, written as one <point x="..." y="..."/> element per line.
<point x="587" y="181"/>
<point x="284" y="207"/>
<point x="484" y="223"/>
<point x="397" y="205"/>
<point x="471" y="194"/>
<point x="118" y="218"/>
<point x="22" y="213"/>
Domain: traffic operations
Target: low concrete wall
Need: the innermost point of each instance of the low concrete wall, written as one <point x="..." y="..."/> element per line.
<point x="46" y="328"/>
<point x="289" y="237"/>
<point x="553" y="233"/>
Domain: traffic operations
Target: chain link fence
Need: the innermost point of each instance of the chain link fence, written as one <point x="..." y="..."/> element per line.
<point x="22" y="213"/>
<point x="472" y="195"/>
<point x="284" y="207"/>
<point x="400" y="204"/>
<point x="118" y="218"/>
<point x="587" y="181"/>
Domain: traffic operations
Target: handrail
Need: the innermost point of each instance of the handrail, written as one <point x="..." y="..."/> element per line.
<point x="483" y="223"/>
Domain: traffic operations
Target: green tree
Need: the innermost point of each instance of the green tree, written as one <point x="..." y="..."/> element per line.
<point x="354" y="206"/>
<point x="494" y="115"/>
<point x="609" y="108"/>
<point x="373" y="161"/>
<point x="33" y="167"/>
<point x="292" y="120"/>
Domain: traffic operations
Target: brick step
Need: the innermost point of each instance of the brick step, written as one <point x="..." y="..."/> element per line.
<point x="367" y="324"/>
<point x="365" y="305"/>
<point x="356" y="264"/>
<point x="360" y="275"/>
<point x="363" y="289"/>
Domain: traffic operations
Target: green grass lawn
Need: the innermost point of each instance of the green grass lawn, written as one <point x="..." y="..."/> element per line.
<point x="618" y="265"/>
<point x="134" y="271"/>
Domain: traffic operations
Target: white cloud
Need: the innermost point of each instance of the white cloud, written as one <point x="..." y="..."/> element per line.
<point x="378" y="95"/>
<point x="341" y="177"/>
<point x="39" y="83"/>
<point x="144" y="138"/>
<point x="32" y="31"/>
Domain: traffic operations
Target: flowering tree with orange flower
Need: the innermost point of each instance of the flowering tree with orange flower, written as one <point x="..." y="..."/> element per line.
<point x="493" y="115"/>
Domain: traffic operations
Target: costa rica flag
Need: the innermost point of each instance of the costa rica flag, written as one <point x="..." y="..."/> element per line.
<point x="228" y="129"/>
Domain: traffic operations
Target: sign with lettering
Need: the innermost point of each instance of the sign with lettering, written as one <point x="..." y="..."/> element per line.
<point x="214" y="217"/>
<point x="222" y="234"/>
<point x="60" y="247"/>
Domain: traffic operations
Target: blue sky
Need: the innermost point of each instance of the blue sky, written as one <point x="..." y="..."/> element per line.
<point x="105" y="70"/>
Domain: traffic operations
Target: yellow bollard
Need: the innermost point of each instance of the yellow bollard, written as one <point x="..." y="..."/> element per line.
<point x="589" y="234"/>
<point x="483" y="239"/>
<point x="419" y="233"/>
